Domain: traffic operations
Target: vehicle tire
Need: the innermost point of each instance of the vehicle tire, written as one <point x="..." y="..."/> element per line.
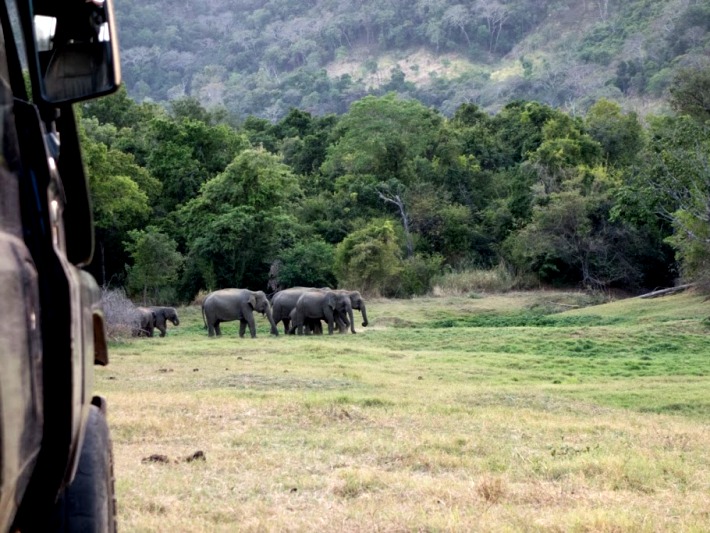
<point x="88" y="505"/>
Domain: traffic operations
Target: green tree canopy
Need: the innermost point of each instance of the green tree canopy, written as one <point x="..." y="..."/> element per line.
<point x="619" y="134"/>
<point x="379" y="135"/>
<point x="690" y="93"/>
<point x="120" y="192"/>
<point x="308" y="263"/>
<point x="240" y="221"/>
<point x="156" y="262"/>
<point x="368" y="259"/>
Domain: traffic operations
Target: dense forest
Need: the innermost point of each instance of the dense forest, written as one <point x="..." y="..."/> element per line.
<point x="392" y="194"/>
<point x="263" y="57"/>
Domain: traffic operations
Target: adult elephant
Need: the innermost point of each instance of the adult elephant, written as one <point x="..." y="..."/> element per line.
<point x="321" y="305"/>
<point x="162" y="315"/>
<point x="356" y="302"/>
<point x="284" y="302"/>
<point x="226" y="305"/>
<point x="143" y="322"/>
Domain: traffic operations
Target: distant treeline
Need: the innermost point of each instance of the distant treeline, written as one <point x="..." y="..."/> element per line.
<point x="265" y="57"/>
<point x="392" y="194"/>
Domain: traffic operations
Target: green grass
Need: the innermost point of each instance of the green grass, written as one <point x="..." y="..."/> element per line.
<point x="493" y="413"/>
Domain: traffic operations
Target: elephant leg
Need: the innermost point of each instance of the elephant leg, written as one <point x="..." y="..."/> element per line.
<point x="341" y="323"/>
<point x="331" y="322"/>
<point x="242" y="327"/>
<point x="287" y="325"/>
<point x="217" y="330"/>
<point x="252" y="326"/>
<point x="162" y="331"/>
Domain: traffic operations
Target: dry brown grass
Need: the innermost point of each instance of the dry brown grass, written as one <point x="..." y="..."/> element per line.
<point x="370" y="433"/>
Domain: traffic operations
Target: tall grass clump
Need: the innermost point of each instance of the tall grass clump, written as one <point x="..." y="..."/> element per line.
<point x="497" y="279"/>
<point x="119" y="313"/>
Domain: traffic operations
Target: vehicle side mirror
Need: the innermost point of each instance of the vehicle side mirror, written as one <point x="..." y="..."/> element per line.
<point x="76" y="51"/>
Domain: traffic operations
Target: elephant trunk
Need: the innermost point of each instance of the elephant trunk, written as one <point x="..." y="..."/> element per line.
<point x="270" y="317"/>
<point x="364" y="315"/>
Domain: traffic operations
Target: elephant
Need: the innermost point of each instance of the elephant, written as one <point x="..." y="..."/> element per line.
<point x="162" y="315"/>
<point x="149" y="318"/>
<point x="356" y="302"/>
<point x="311" y="325"/>
<point x="283" y="302"/>
<point x="226" y="305"/>
<point x="321" y="304"/>
<point x="143" y="322"/>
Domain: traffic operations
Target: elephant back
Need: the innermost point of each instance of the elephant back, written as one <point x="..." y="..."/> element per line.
<point x="283" y="302"/>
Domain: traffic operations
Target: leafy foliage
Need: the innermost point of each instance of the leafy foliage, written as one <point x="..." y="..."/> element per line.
<point x="266" y="58"/>
<point x="369" y="258"/>
<point x="240" y="220"/>
<point x="391" y="194"/>
<point x="307" y="264"/>
<point x="156" y="262"/>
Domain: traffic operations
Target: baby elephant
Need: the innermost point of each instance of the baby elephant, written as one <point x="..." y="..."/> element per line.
<point x="150" y="318"/>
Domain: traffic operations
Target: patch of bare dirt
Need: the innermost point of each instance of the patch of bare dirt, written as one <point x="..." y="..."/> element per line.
<point x="419" y="66"/>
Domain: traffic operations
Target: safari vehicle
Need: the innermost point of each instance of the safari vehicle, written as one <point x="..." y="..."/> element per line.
<point x="55" y="450"/>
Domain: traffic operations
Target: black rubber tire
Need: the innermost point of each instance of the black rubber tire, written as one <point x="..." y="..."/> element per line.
<point x="88" y="505"/>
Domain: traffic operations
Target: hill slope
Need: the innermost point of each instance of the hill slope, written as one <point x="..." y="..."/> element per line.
<point x="263" y="57"/>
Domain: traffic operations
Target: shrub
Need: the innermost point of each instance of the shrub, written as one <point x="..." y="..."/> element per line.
<point x="415" y="276"/>
<point x="119" y="313"/>
<point x="307" y="264"/>
<point x="498" y="279"/>
<point x="199" y="298"/>
<point x="369" y="259"/>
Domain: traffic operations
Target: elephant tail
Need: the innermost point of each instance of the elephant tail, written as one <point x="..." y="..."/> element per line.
<point x="204" y="319"/>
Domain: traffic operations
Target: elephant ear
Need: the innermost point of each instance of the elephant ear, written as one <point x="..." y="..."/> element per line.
<point x="252" y="301"/>
<point x="332" y="300"/>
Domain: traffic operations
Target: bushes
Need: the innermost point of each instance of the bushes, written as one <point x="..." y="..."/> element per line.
<point x="415" y="276"/>
<point x="119" y="313"/>
<point x="498" y="279"/>
<point x="308" y="264"/>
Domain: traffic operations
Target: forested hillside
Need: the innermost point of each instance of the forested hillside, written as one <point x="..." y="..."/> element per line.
<point x="263" y="57"/>
<point x="393" y="195"/>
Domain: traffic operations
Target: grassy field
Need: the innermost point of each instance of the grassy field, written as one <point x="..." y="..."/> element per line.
<point x="519" y="412"/>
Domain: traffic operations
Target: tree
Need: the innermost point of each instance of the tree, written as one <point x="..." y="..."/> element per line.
<point x="308" y="263"/>
<point x="378" y="142"/>
<point x="120" y="199"/>
<point x="495" y="14"/>
<point x="185" y="153"/>
<point x="572" y="240"/>
<point x="620" y="135"/>
<point x="379" y="135"/>
<point x="240" y="221"/>
<point x="119" y="109"/>
<point x="564" y="148"/>
<point x="156" y="262"/>
<point x="368" y="259"/>
<point x="674" y="183"/>
<point x="690" y="93"/>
